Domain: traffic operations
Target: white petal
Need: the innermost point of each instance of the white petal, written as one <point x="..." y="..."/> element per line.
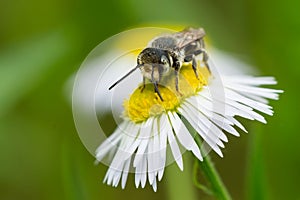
<point x="227" y="128"/>
<point x="116" y="178"/>
<point x="200" y="128"/>
<point x="223" y="124"/>
<point x="174" y="147"/>
<point x="156" y="147"/>
<point x="151" y="170"/>
<point x="258" y="117"/>
<point x="215" y="105"/>
<point x="213" y="117"/>
<point x="144" y="172"/>
<point x="110" y="177"/>
<point x="118" y="160"/>
<point x="138" y="172"/>
<point x="163" y="129"/>
<point x="237" y="123"/>
<point x="106" y="176"/>
<point x="154" y="185"/>
<point x="205" y="124"/>
<point x="125" y="172"/>
<point x="144" y="136"/>
<point x="116" y="168"/>
<point x="184" y="136"/>
<point x="247" y="101"/>
<point x="257" y="98"/>
<point x="263" y="92"/>
<point x="111" y="141"/>
<point x="163" y="145"/>
<point x="250" y="80"/>
<point x="132" y="142"/>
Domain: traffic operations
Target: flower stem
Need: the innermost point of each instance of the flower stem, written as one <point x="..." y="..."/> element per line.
<point x="217" y="186"/>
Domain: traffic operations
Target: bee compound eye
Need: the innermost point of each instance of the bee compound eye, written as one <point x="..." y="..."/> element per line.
<point x="164" y="60"/>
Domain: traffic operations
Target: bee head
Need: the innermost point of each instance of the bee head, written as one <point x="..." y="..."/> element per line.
<point x="154" y="63"/>
<point x="154" y="56"/>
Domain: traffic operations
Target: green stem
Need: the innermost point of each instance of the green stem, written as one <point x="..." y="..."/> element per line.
<point x="197" y="182"/>
<point x="217" y="186"/>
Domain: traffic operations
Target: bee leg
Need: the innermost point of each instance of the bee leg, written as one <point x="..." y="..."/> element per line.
<point x="205" y="59"/>
<point x="177" y="67"/>
<point x="157" y="91"/>
<point x="202" y="44"/>
<point x="198" y="52"/>
<point x="155" y="83"/>
<point x="176" y="80"/>
<point x="194" y="65"/>
<point x="144" y="84"/>
<point x="192" y="58"/>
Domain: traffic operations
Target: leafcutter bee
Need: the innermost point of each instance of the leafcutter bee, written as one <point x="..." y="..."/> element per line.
<point x="169" y="51"/>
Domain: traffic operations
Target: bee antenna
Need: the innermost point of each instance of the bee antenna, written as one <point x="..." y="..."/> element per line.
<point x="121" y="79"/>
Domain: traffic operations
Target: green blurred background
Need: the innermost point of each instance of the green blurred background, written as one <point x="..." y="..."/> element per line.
<point x="42" y="43"/>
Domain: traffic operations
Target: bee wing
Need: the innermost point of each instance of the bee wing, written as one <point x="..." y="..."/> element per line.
<point x="188" y="36"/>
<point x="177" y="41"/>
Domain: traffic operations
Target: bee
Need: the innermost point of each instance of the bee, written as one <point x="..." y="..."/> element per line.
<point x="170" y="51"/>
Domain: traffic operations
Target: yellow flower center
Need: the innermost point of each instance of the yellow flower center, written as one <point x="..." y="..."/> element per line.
<point x="145" y="103"/>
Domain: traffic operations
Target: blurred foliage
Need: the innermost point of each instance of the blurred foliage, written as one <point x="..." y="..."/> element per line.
<point x="42" y="44"/>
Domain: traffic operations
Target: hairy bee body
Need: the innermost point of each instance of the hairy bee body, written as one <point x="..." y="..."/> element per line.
<point x="170" y="51"/>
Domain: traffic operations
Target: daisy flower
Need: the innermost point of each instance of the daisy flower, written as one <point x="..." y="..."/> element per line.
<point x="150" y="126"/>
